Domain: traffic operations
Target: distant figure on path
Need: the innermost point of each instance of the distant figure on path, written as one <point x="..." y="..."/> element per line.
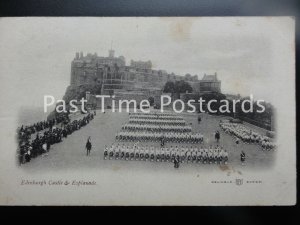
<point x="217" y="136"/>
<point x="199" y="119"/>
<point x="88" y="146"/>
<point x="243" y="158"/>
<point x="176" y="162"/>
<point x="237" y="141"/>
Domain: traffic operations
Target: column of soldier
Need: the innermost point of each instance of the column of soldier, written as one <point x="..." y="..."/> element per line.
<point x="162" y="128"/>
<point x="156" y="127"/>
<point x="247" y="136"/>
<point x="185" y="154"/>
<point x="47" y="134"/>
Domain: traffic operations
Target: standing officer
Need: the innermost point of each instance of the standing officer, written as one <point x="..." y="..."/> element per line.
<point x="88" y="146"/>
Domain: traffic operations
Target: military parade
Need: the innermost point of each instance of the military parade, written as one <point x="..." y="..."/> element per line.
<point x="167" y="137"/>
<point x="247" y="135"/>
<point x="178" y="144"/>
<point x="154" y="137"/>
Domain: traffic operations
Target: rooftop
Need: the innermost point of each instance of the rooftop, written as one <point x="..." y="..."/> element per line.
<point x="210" y="77"/>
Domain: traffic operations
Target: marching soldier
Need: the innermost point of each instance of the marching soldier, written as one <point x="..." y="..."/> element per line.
<point x="131" y="155"/>
<point x="117" y="152"/>
<point x="122" y="152"/>
<point x="157" y="155"/>
<point x="168" y="155"/>
<point x="127" y="153"/>
<point x="147" y="155"/>
<point x="217" y="136"/>
<point x="162" y="154"/>
<point x="111" y="152"/>
<point x="176" y="162"/>
<point x="225" y="157"/>
<point x="105" y="152"/>
<point x="243" y="158"/>
<point x="152" y="155"/>
<point x="137" y="153"/>
<point x="142" y="155"/>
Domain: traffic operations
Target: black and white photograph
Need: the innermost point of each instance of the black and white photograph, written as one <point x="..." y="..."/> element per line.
<point x="148" y="111"/>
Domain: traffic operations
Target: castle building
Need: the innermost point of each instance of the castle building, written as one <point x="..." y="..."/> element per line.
<point x="141" y="64"/>
<point x="111" y="76"/>
<point x="112" y="73"/>
<point x="209" y="84"/>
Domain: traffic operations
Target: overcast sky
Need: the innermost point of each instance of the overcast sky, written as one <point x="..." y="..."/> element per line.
<point x="36" y="53"/>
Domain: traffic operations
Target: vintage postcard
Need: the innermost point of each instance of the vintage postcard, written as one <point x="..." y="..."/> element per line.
<point x="147" y="111"/>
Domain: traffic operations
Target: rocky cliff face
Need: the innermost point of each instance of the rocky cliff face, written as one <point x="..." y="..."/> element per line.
<point x="78" y="92"/>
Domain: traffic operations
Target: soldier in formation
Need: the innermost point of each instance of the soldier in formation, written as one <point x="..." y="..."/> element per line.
<point x="156" y="128"/>
<point x="156" y="121"/>
<point x="184" y="154"/>
<point x="246" y="135"/>
<point x="185" y="137"/>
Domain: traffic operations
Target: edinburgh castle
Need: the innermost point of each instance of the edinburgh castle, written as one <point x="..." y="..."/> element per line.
<point x="112" y="76"/>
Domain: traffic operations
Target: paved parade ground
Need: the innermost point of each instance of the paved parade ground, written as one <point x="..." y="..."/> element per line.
<point x="71" y="154"/>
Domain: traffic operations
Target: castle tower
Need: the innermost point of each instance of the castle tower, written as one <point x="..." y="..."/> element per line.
<point x="111" y="53"/>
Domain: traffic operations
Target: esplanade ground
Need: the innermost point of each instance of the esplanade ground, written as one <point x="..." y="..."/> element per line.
<point x="71" y="154"/>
